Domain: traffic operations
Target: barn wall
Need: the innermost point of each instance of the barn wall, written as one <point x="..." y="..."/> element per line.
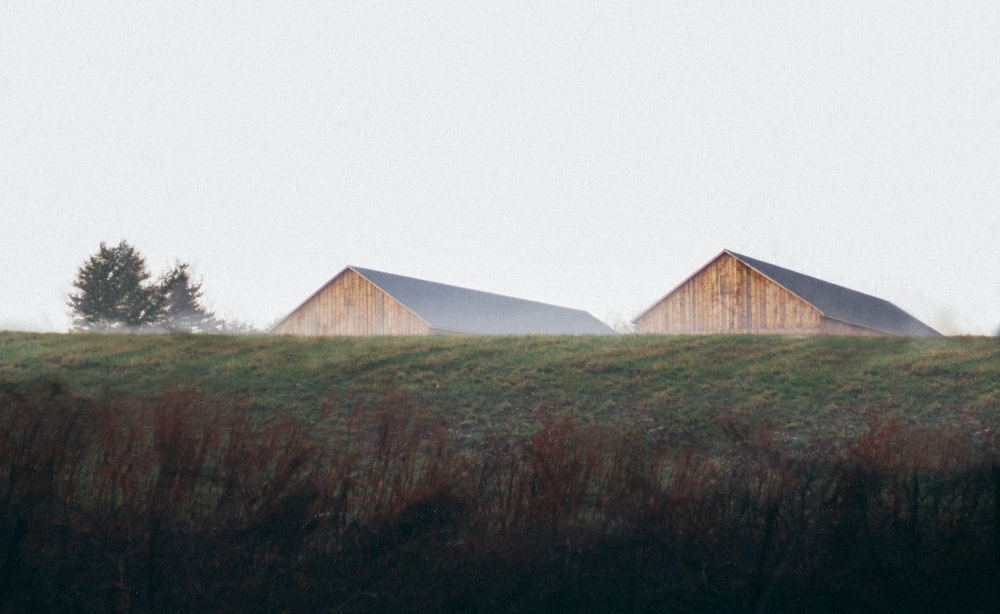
<point x="831" y="326"/>
<point x="729" y="296"/>
<point x="351" y="305"/>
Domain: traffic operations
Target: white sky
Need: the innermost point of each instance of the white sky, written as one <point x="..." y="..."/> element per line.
<point x="586" y="154"/>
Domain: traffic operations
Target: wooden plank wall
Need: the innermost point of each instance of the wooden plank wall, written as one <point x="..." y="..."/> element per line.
<point x="831" y="326"/>
<point x="728" y="296"/>
<point x="351" y="305"/>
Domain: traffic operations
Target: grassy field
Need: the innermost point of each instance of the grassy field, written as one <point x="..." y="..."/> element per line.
<point x="153" y="473"/>
<point x="804" y="389"/>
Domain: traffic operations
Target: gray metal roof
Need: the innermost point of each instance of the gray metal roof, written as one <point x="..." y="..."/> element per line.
<point x="843" y="303"/>
<point x="456" y="309"/>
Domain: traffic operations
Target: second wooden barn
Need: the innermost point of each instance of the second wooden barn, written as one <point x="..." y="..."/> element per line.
<point x="738" y="294"/>
<point x="359" y="301"/>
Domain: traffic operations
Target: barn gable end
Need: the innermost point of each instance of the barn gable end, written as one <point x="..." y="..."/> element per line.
<point x="738" y="294"/>
<point x="349" y="304"/>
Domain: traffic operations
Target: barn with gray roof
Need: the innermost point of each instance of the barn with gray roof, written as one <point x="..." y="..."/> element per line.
<point x="733" y="293"/>
<point x="360" y="301"/>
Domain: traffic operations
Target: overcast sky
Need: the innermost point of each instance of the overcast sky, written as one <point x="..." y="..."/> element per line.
<point x="586" y="154"/>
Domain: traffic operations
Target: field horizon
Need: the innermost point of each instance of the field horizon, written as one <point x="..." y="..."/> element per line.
<point x="801" y="388"/>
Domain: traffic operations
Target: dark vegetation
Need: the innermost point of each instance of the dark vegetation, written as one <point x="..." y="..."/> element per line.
<point x="711" y="474"/>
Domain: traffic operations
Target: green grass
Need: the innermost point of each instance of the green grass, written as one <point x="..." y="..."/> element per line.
<point x="803" y="389"/>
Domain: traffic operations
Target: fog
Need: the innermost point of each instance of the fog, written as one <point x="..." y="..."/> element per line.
<point x="573" y="153"/>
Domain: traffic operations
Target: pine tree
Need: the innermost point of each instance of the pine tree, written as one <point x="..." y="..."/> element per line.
<point x="182" y="308"/>
<point x="113" y="293"/>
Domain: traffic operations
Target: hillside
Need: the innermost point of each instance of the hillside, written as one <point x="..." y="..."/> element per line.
<point x="150" y="473"/>
<point x="689" y="387"/>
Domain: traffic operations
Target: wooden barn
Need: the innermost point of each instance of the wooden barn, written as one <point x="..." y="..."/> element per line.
<point x="738" y="294"/>
<point x="361" y="301"/>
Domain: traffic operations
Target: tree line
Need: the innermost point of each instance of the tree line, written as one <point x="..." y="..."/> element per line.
<point x="114" y="292"/>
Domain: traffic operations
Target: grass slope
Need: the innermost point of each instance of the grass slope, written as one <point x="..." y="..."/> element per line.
<point x="532" y="474"/>
<point x="801" y="389"/>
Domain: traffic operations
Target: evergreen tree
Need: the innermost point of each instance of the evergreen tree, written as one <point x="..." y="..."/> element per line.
<point x="113" y="293"/>
<point x="182" y="308"/>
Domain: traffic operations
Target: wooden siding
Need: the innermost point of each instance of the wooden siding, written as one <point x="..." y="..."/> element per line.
<point x="728" y="296"/>
<point x="351" y="305"/>
<point x="831" y="326"/>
